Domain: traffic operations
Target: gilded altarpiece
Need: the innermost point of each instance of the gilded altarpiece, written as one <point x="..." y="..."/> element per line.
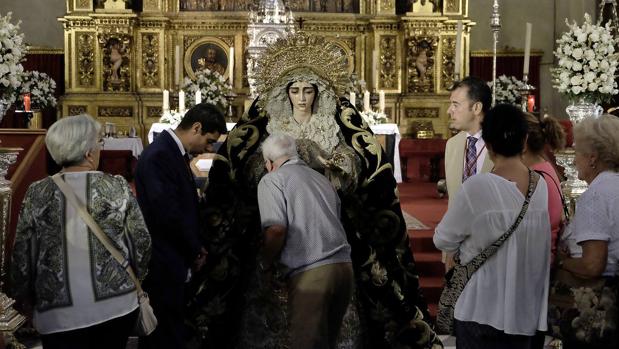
<point x="120" y="60"/>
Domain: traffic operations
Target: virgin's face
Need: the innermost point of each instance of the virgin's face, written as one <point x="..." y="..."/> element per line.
<point x="302" y="95"/>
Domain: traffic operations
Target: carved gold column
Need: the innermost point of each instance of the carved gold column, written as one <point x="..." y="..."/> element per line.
<point x="10" y="320"/>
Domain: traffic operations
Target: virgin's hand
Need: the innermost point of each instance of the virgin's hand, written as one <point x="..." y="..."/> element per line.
<point x="330" y="164"/>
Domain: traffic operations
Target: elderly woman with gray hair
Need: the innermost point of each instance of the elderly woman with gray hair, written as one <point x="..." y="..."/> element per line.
<point x="587" y="266"/>
<point x="80" y="297"/>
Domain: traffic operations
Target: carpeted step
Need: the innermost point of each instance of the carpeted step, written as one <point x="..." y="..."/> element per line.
<point x="421" y="241"/>
<point x="432" y="288"/>
<point x="429" y="264"/>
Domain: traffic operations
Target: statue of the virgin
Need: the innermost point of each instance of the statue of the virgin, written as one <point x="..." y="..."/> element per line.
<point x="299" y="79"/>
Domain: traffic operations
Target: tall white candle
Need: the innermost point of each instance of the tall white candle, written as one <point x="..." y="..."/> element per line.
<point x="181" y="101"/>
<point x="353" y="98"/>
<point x="366" y="101"/>
<point x="375" y="68"/>
<point x="527" y="49"/>
<point x="198" y="97"/>
<point x="231" y="67"/>
<point x="166" y="100"/>
<point x="381" y="101"/>
<point x="458" y="59"/>
<point x="177" y="65"/>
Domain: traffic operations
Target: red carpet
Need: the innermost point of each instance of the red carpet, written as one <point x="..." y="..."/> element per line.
<point x="421" y="200"/>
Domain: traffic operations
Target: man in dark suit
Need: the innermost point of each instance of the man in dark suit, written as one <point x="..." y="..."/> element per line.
<point x="168" y="198"/>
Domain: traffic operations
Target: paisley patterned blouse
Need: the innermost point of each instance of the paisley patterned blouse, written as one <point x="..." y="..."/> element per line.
<point x="53" y="247"/>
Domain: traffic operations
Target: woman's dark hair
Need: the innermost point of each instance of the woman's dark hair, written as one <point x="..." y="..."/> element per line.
<point x="504" y="129"/>
<point x="315" y="94"/>
<point x="544" y="131"/>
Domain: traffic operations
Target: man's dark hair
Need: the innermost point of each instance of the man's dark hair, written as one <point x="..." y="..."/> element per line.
<point x="477" y="91"/>
<point x="209" y="116"/>
<point x="504" y="129"/>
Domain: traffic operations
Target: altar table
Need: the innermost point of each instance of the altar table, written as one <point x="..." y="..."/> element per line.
<point x="129" y="143"/>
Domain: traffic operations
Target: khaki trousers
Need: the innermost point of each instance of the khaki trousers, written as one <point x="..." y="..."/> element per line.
<point x="317" y="301"/>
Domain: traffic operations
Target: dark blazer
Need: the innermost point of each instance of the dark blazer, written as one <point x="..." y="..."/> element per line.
<point x="167" y="195"/>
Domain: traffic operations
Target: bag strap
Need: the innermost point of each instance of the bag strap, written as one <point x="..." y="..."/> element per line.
<point x="489" y="251"/>
<point x="96" y="229"/>
<point x="566" y="210"/>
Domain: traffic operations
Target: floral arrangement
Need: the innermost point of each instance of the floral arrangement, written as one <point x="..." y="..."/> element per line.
<point x="212" y="85"/>
<point x="12" y="51"/>
<point x="172" y="117"/>
<point x="41" y="88"/>
<point x="508" y="90"/>
<point x="372" y="118"/>
<point x="587" y="63"/>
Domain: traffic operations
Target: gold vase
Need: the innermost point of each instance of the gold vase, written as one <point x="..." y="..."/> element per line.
<point x="36" y="122"/>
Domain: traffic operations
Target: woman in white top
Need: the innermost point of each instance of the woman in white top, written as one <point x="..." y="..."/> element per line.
<point x="504" y="303"/>
<point x="80" y="296"/>
<point x="592" y="238"/>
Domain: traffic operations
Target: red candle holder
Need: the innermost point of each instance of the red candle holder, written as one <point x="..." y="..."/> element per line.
<point x="530" y="103"/>
<point x="27" y="102"/>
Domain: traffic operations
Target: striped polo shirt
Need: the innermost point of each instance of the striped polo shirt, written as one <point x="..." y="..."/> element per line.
<point x="305" y="202"/>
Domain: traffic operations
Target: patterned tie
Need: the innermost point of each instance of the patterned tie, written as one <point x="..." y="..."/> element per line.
<point x="470" y="168"/>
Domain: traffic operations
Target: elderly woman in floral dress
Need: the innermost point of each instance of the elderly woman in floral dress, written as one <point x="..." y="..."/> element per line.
<point x="80" y="296"/>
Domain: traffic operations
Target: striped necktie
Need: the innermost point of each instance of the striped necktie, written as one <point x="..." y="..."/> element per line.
<point x="470" y="168"/>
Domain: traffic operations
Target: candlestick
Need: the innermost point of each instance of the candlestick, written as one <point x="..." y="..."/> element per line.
<point x="495" y="26"/>
<point x="353" y="98"/>
<point x="525" y="91"/>
<point x="375" y="68"/>
<point x="181" y="101"/>
<point x="366" y="101"/>
<point x="166" y="100"/>
<point x="198" y="97"/>
<point x="381" y="101"/>
<point x="177" y="65"/>
<point x="527" y="49"/>
<point x="231" y="67"/>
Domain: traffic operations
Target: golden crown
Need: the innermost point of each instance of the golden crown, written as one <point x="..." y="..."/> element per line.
<point x="301" y="51"/>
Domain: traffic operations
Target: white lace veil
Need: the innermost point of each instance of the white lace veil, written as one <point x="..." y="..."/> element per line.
<point x="321" y="128"/>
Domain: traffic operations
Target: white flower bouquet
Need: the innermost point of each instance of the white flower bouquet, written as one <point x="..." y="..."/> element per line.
<point x="41" y="88"/>
<point x="372" y="117"/>
<point x="508" y="90"/>
<point x="12" y="51"/>
<point x="212" y="85"/>
<point x="587" y="62"/>
<point x="172" y="117"/>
